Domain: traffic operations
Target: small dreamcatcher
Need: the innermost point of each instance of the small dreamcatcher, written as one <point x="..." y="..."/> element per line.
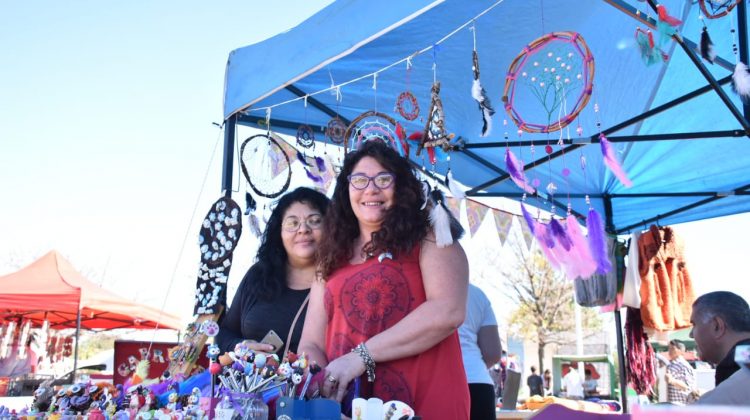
<point x="265" y="165"/>
<point x="714" y="9"/>
<point x="219" y="234"/>
<point x="407" y="106"/>
<point x="546" y="71"/>
<point x="435" y="134"/>
<point x="305" y="136"/>
<point x="373" y="125"/>
<point x="335" y="130"/>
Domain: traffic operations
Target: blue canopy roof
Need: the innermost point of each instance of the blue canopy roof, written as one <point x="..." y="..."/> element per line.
<point x="688" y="160"/>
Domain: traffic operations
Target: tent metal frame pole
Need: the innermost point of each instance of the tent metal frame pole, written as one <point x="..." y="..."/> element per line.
<point x="610" y="228"/>
<point x="742" y="43"/>
<point x="78" y="336"/>
<point x="230" y="127"/>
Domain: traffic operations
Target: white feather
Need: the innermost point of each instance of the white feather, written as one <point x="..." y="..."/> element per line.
<point x="488" y="119"/>
<point x="441" y="223"/>
<point x="741" y="80"/>
<point x="476" y="90"/>
<point x="455" y="189"/>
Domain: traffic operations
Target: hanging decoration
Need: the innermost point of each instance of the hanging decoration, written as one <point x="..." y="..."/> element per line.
<point x="305" y="136"/>
<point x="335" y="130"/>
<point x="503" y="223"/>
<point x="434" y="134"/>
<point x="373" y="125"/>
<point x="265" y="165"/>
<point x="612" y="162"/>
<point x="475" y="213"/>
<point x="741" y="75"/>
<point x="598" y="242"/>
<point x="714" y="9"/>
<point x="250" y="207"/>
<point x="457" y="192"/>
<point x="478" y="92"/>
<point x="707" y="46"/>
<point x="219" y="235"/>
<point x="546" y="71"/>
<point x="407" y="106"/>
<point x="666" y="24"/>
<point x="441" y="220"/>
<point x="515" y="170"/>
<point x="650" y="53"/>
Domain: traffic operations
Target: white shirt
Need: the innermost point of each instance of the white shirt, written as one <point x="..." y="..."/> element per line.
<point x="573" y="384"/>
<point x="478" y="314"/>
<point x="735" y="390"/>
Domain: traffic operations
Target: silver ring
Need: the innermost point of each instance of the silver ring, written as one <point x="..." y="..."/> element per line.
<point x="331" y="379"/>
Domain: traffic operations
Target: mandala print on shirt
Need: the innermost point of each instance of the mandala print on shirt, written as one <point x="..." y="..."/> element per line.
<point x="341" y="344"/>
<point x="375" y="298"/>
<point x="391" y="385"/>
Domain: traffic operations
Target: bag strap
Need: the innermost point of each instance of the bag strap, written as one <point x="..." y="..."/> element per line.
<point x="294" y="323"/>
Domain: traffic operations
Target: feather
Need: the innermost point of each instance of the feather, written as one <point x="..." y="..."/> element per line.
<point x="543" y="238"/>
<point x="456" y="191"/>
<point x="666" y="18"/>
<point x="741" y="81"/>
<point x="320" y="163"/>
<point x="610" y="159"/>
<point x="559" y="234"/>
<point x="440" y="220"/>
<point x="313" y="177"/>
<point x="480" y="95"/>
<point x="254" y="225"/>
<point x="425" y="194"/>
<point x="302" y="158"/>
<point x="515" y="170"/>
<point x="529" y="219"/>
<point x="584" y="260"/>
<point x="707" y="47"/>
<point x="250" y="204"/>
<point x="598" y="242"/>
<point x="649" y="53"/>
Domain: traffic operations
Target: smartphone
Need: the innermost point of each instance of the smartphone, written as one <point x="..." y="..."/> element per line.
<point x="273" y="339"/>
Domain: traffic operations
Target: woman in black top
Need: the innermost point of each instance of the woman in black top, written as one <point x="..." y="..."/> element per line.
<point x="277" y="285"/>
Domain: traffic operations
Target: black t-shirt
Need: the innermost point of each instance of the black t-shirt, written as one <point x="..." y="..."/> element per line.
<point x="250" y="317"/>
<point x="727" y="366"/>
<point x="535" y="384"/>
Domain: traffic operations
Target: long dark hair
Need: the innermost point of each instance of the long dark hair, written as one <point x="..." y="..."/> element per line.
<point x="403" y="227"/>
<point x="268" y="274"/>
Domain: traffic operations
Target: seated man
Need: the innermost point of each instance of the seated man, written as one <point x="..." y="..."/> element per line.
<point x="590" y="385"/>
<point x="721" y="322"/>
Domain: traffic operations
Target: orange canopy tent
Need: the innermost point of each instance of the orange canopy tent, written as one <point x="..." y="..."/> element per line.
<point x="51" y="289"/>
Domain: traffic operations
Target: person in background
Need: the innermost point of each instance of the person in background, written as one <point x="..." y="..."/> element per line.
<point x="480" y="349"/>
<point x="547" y="378"/>
<point x="389" y="301"/>
<point x="496" y="375"/>
<point x="275" y="289"/>
<point x="535" y="383"/>
<point x="573" y="384"/>
<point x="680" y="376"/>
<point x="721" y="322"/>
<point x="721" y="325"/>
<point x="590" y="385"/>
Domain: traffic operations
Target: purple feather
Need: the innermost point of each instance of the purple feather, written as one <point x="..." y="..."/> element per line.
<point x="302" y="158"/>
<point x="559" y="233"/>
<point x="529" y="219"/>
<point x="598" y="242"/>
<point x="542" y="238"/>
<point x="320" y="163"/>
<point x="581" y="253"/>
<point x="313" y="177"/>
<point x="515" y="170"/>
<point x="610" y="159"/>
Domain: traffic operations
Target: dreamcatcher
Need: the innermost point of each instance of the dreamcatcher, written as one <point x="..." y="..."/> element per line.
<point x="713" y="9"/>
<point x="220" y="232"/>
<point x="545" y="72"/>
<point x="265" y="165"/>
<point x="406" y="103"/>
<point x="373" y="125"/>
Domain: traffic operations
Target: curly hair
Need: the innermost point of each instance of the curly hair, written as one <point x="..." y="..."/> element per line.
<point x="404" y="224"/>
<point x="268" y="274"/>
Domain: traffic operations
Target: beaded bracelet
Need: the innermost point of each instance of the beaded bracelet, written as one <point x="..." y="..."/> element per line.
<point x="361" y="349"/>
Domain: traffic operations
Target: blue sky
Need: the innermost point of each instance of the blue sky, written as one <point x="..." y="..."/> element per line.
<point x="106" y="137"/>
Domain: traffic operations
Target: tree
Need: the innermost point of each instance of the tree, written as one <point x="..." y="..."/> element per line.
<point x="544" y="299"/>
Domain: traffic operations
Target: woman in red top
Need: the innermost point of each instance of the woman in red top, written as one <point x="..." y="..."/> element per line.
<point x="390" y="301"/>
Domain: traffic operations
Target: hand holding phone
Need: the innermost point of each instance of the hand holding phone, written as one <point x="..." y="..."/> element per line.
<point x="274" y="340"/>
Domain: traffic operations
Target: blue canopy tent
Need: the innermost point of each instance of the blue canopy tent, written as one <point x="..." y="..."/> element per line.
<point x="679" y="131"/>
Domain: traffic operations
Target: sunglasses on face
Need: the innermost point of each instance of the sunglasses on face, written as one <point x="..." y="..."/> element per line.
<point x="293" y="223"/>
<point x="382" y="180"/>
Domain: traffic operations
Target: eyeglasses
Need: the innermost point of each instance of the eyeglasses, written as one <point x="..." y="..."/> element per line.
<point x="293" y="223"/>
<point x="382" y="180"/>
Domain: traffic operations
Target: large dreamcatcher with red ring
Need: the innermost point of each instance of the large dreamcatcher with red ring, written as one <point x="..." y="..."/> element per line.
<point x="553" y="71"/>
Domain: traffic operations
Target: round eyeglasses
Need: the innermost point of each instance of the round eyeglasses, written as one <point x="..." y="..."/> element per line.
<point x="382" y="180"/>
<point x="293" y="223"/>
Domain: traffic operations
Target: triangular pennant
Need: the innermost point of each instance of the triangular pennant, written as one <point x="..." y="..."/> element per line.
<point x="528" y="237"/>
<point x="454" y="205"/>
<point x="475" y="213"/>
<point x="503" y="222"/>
